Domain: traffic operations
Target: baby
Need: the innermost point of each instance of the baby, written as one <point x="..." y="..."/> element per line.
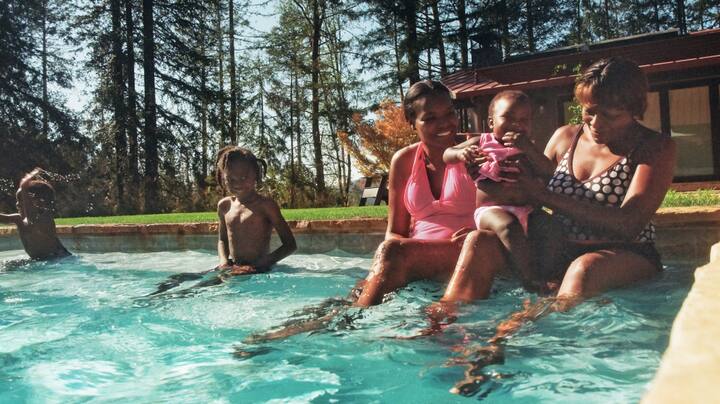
<point x="510" y="114"/>
<point x="246" y="217"/>
<point x="34" y="220"/>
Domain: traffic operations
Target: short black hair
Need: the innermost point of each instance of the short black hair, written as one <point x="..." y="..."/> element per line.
<point x="515" y="95"/>
<point x="421" y="89"/>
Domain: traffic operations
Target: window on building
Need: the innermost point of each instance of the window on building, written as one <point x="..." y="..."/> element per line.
<point x="651" y="118"/>
<point x="690" y="127"/>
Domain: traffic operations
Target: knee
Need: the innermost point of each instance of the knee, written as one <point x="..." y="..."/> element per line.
<point x="480" y="240"/>
<point x="575" y="281"/>
<point x="389" y="254"/>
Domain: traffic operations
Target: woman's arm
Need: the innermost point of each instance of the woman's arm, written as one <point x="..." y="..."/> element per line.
<point x="398" y="216"/>
<point x="223" y="248"/>
<point x="288" y="246"/>
<point x="653" y="176"/>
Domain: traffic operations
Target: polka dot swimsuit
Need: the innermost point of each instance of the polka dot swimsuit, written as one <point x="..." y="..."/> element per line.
<point x="607" y="189"/>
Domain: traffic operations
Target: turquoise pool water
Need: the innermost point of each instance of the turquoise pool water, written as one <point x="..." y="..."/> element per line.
<point x="77" y="331"/>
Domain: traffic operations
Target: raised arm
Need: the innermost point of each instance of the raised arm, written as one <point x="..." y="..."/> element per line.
<point x="12" y="218"/>
<point x="288" y="246"/>
<point x="653" y="176"/>
<point x="465" y="152"/>
<point x="223" y="247"/>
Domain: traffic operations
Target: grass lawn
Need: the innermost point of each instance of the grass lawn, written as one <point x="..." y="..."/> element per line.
<point x="289" y="214"/>
<point x="673" y="199"/>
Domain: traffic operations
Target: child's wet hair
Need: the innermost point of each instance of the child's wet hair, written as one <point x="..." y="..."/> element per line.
<point x="512" y="95"/>
<point x="421" y="89"/>
<point x="234" y="154"/>
<point x="616" y="83"/>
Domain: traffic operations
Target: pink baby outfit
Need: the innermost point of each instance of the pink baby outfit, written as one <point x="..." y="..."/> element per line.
<point x="497" y="152"/>
<point x="438" y="219"/>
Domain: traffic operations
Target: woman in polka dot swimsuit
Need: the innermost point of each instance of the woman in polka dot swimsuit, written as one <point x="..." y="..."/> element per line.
<point x="612" y="174"/>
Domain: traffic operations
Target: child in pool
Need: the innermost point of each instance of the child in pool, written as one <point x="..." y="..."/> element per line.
<point x="495" y="157"/>
<point x="34" y="220"/>
<point x="246" y="217"/>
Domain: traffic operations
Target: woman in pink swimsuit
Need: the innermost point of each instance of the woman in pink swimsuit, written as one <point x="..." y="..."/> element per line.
<point x="430" y="217"/>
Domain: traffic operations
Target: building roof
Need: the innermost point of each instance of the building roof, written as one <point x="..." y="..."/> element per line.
<point x="654" y="53"/>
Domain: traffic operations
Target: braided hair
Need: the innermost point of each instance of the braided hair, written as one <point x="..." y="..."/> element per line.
<point x="229" y="154"/>
<point x="615" y="82"/>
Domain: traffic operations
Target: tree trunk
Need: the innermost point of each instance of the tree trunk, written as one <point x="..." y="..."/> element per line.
<point x="410" y="18"/>
<point x="428" y="31"/>
<point x="45" y="100"/>
<point x="233" y="87"/>
<point x="298" y="144"/>
<point x="293" y="177"/>
<point x="439" y="42"/>
<point x="118" y="96"/>
<point x="530" y="25"/>
<point x="680" y="16"/>
<point x="150" y="111"/>
<point x="221" y="77"/>
<point x="608" y="28"/>
<point x="132" y="121"/>
<point x="398" y="64"/>
<point x="317" y="20"/>
<point x="462" y="34"/>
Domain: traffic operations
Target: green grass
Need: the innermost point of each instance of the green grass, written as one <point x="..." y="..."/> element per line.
<point x="701" y="197"/>
<point x="289" y="214"/>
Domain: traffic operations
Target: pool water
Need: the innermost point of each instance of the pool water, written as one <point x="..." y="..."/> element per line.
<point x="80" y="330"/>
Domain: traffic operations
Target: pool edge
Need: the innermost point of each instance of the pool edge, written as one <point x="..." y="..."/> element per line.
<point x="689" y="370"/>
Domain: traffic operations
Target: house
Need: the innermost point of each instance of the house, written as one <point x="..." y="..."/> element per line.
<point x="683" y="72"/>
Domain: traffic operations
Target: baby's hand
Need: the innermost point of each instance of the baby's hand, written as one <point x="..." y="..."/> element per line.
<point x="518" y="140"/>
<point x="473" y="155"/>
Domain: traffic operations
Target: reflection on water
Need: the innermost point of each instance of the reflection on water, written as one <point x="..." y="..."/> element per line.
<point x="79" y="329"/>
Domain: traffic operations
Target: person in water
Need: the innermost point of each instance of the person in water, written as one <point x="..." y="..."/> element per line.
<point x="246" y="221"/>
<point x="247" y="218"/>
<point x="611" y="176"/>
<point x="431" y="233"/>
<point x="510" y="115"/>
<point x="35" y="218"/>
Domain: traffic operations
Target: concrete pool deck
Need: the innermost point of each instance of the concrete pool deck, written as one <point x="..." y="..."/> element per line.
<point x="690" y="367"/>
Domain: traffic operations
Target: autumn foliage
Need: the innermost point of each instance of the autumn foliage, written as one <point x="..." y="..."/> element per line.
<point x="372" y="144"/>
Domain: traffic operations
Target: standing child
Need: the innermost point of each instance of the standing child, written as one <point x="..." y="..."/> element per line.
<point x="34" y="220"/>
<point x="490" y="158"/>
<point x="246" y="217"/>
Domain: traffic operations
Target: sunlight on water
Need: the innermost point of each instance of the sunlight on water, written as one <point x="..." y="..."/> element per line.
<point x="84" y="328"/>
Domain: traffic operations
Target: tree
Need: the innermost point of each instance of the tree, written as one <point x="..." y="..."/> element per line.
<point x="373" y="144"/>
<point x="150" y="111"/>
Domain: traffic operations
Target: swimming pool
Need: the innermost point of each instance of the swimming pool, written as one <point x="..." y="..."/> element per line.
<point x="80" y="330"/>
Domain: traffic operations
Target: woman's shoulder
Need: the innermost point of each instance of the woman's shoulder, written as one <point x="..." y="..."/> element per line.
<point x="405" y="155"/>
<point x="562" y="138"/>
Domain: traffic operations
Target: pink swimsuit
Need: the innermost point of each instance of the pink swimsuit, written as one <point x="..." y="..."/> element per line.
<point x="438" y="219"/>
<point x="497" y="152"/>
